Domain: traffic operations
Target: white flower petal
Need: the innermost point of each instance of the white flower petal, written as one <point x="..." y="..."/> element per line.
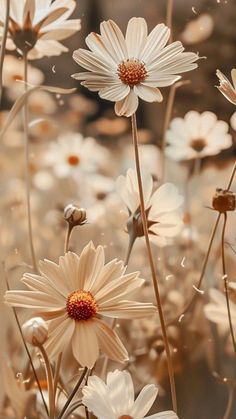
<point x="128" y="105"/>
<point x="85" y="344"/>
<point x="109" y="342"/>
<point x="113" y="39"/>
<point x="60" y="331"/>
<point x="120" y="388"/>
<point x="144" y="401"/>
<point x="156" y="40"/>
<point x="147" y="93"/>
<point x="118" y="91"/>
<point x="136" y="36"/>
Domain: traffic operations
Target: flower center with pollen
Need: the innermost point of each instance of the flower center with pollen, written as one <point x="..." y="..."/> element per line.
<point x="81" y="305"/>
<point x="125" y="417"/>
<point x="73" y="160"/>
<point x="198" y="144"/>
<point x="132" y="72"/>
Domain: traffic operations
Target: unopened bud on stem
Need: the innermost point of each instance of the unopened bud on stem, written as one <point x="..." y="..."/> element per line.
<point x="35" y="331"/>
<point x="74" y="215"/>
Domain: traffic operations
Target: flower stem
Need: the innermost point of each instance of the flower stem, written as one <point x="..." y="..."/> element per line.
<point x="3" y="45"/>
<point x="49" y="382"/>
<point x="169" y="15"/>
<point x="225" y="278"/>
<point x="230" y="402"/>
<point x="73" y="393"/>
<point x="27" y="172"/>
<point x="132" y="239"/>
<point x="151" y="262"/>
<point x="67" y="238"/>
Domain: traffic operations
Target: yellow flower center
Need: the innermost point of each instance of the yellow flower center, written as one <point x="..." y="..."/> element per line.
<point x="198" y="144"/>
<point x="132" y="72"/>
<point x="73" y="160"/>
<point x="81" y="305"/>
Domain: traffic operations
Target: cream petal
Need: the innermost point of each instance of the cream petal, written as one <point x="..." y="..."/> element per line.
<point x="179" y="153"/>
<point x="168" y="414"/>
<point x="136" y="36"/>
<point x="155" y="79"/>
<point x="109" y="342"/>
<point x="39" y="283"/>
<point x="165" y="56"/>
<point x="165" y="199"/>
<point x="118" y="288"/>
<point x="233" y="75"/>
<point x="91" y="62"/>
<point x="128" y="310"/>
<point x="128" y="105"/>
<point x="60" y="33"/>
<point x="96" y="398"/>
<point x="144" y="401"/>
<point x="156" y="40"/>
<point x="192" y="122"/>
<point x="111" y="271"/>
<point x="147" y="93"/>
<point x="31" y="299"/>
<point x="113" y="40"/>
<point x="60" y="335"/>
<point x="90" y="269"/>
<point x="95" y="43"/>
<point x="85" y="344"/>
<point x="120" y="387"/>
<point x="55" y="276"/>
<point x="207" y="122"/>
<point x="168" y="225"/>
<point x="118" y="91"/>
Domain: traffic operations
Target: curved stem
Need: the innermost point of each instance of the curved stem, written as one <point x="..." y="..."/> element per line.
<point x="67" y="238"/>
<point x="230" y="402"/>
<point x="3" y="45"/>
<point x="27" y="172"/>
<point x="151" y="262"/>
<point x="73" y="407"/>
<point x="49" y="382"/>
<point x="73" y="393"/>
<point x="225" y="278"/>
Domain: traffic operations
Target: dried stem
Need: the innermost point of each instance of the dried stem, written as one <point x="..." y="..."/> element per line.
<point x="26" y="347"/>
<point x="151" y="262"/>
<point x="168" y="114"/>
<point x="3" y="45"/>
<point x="225" y="278"/>
<point x="230" y="402"/>
<point x="50" y="382"/>
<point x="73" y="393"/>
<point x="27" y="172"/>
<point x="169" y="15"/>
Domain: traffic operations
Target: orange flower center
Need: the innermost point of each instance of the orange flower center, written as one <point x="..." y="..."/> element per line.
<point x="125" y="417"/>
<point x="81" y="305"/>
<point x="73" y="160"/>
<point x="132" y="72"/>
<point x="198" y="144"/>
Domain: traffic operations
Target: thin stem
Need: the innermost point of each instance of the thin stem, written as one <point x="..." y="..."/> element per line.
<point x="151" y="262"/>
<point x="73" y="393"/>
<point x="67" y="238"/>
<point x="132" y="239"/>
<point x="49" y="382"/>
<point x="73" y="407"/>
<point x="168" y="114"/>
<point x="27" y="172"/>
<point x="169" y="15"/>
<point x="57" y="374"/>
<point x="26" y="347"/>
<point x="225" y="278"/>
<point x="231" y="177"/>
<point x="3" y="45"/>
<point x="229" y="403"/>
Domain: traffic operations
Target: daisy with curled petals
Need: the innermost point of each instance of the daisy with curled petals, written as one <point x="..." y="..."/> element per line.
<point x="162" y="207"/>
<point x="115" y="398"/>
<point x="197" y="136"/>
<point x="226" y="88"/>
<point x="36" y="27"/>
<point x="73" y="296"/>
<point x="123" y="69"/>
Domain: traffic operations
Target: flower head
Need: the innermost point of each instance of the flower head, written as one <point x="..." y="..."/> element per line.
<point x="74" y="294"/>
<point x="115" y="398"/>
<point x="197" y="136"/>
<point x="226" y="88"/>
<point x="123" y="69"/>
<point x="36" y="27"/>
<point x="162" y="206"/>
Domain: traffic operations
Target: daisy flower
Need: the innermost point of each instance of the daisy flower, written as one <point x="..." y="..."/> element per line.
<point x="36" y="27"/>
<point x="162" y="207"/>
<point x="72" y="154"/>
<point x="73" y="296"/>
<point x="115" y="398"/>
<point x="197" y="136"/>
<point x="123" y="69"/>
<point x="226" y="88"/>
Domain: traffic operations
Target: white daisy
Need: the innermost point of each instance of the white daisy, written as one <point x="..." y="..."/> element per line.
<point x="226" y="88"/>
<point x="73" y="296"/>
<point x="115" y="398"/>
<point x="162" y="206"/>
<point x="73" y="154"/>
<point x="123" y="69"/>
<point x="197" y="136"/>
<point x="37" y="27"/>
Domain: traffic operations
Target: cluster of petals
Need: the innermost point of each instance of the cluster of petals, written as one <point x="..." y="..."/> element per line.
<point x="226" y="88"/>
<point x="162" y="207"/>
<point x="74" y="294"/>
<point x="40" y="24"/>
<point x="115" y="399"/>
<point x="123" y="69"/>
<point x="197" y="135"/>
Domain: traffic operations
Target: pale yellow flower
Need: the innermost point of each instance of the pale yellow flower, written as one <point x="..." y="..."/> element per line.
<point x="73" y="296"/>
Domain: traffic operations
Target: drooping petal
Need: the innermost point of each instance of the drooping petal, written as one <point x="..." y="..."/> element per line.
<point x="85" y="343"/>
<point x="147" y="93"/>
<point x="118" y="91"/>
<point x="109" y="342"/>
<point x="128" y="105"/>
<point x="60" y="332"/>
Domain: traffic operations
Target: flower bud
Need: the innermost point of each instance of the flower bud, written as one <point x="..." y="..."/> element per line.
<point x="74" y="215"/>
<point x="223" y="200"/>
<point x="35" y="331"/>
